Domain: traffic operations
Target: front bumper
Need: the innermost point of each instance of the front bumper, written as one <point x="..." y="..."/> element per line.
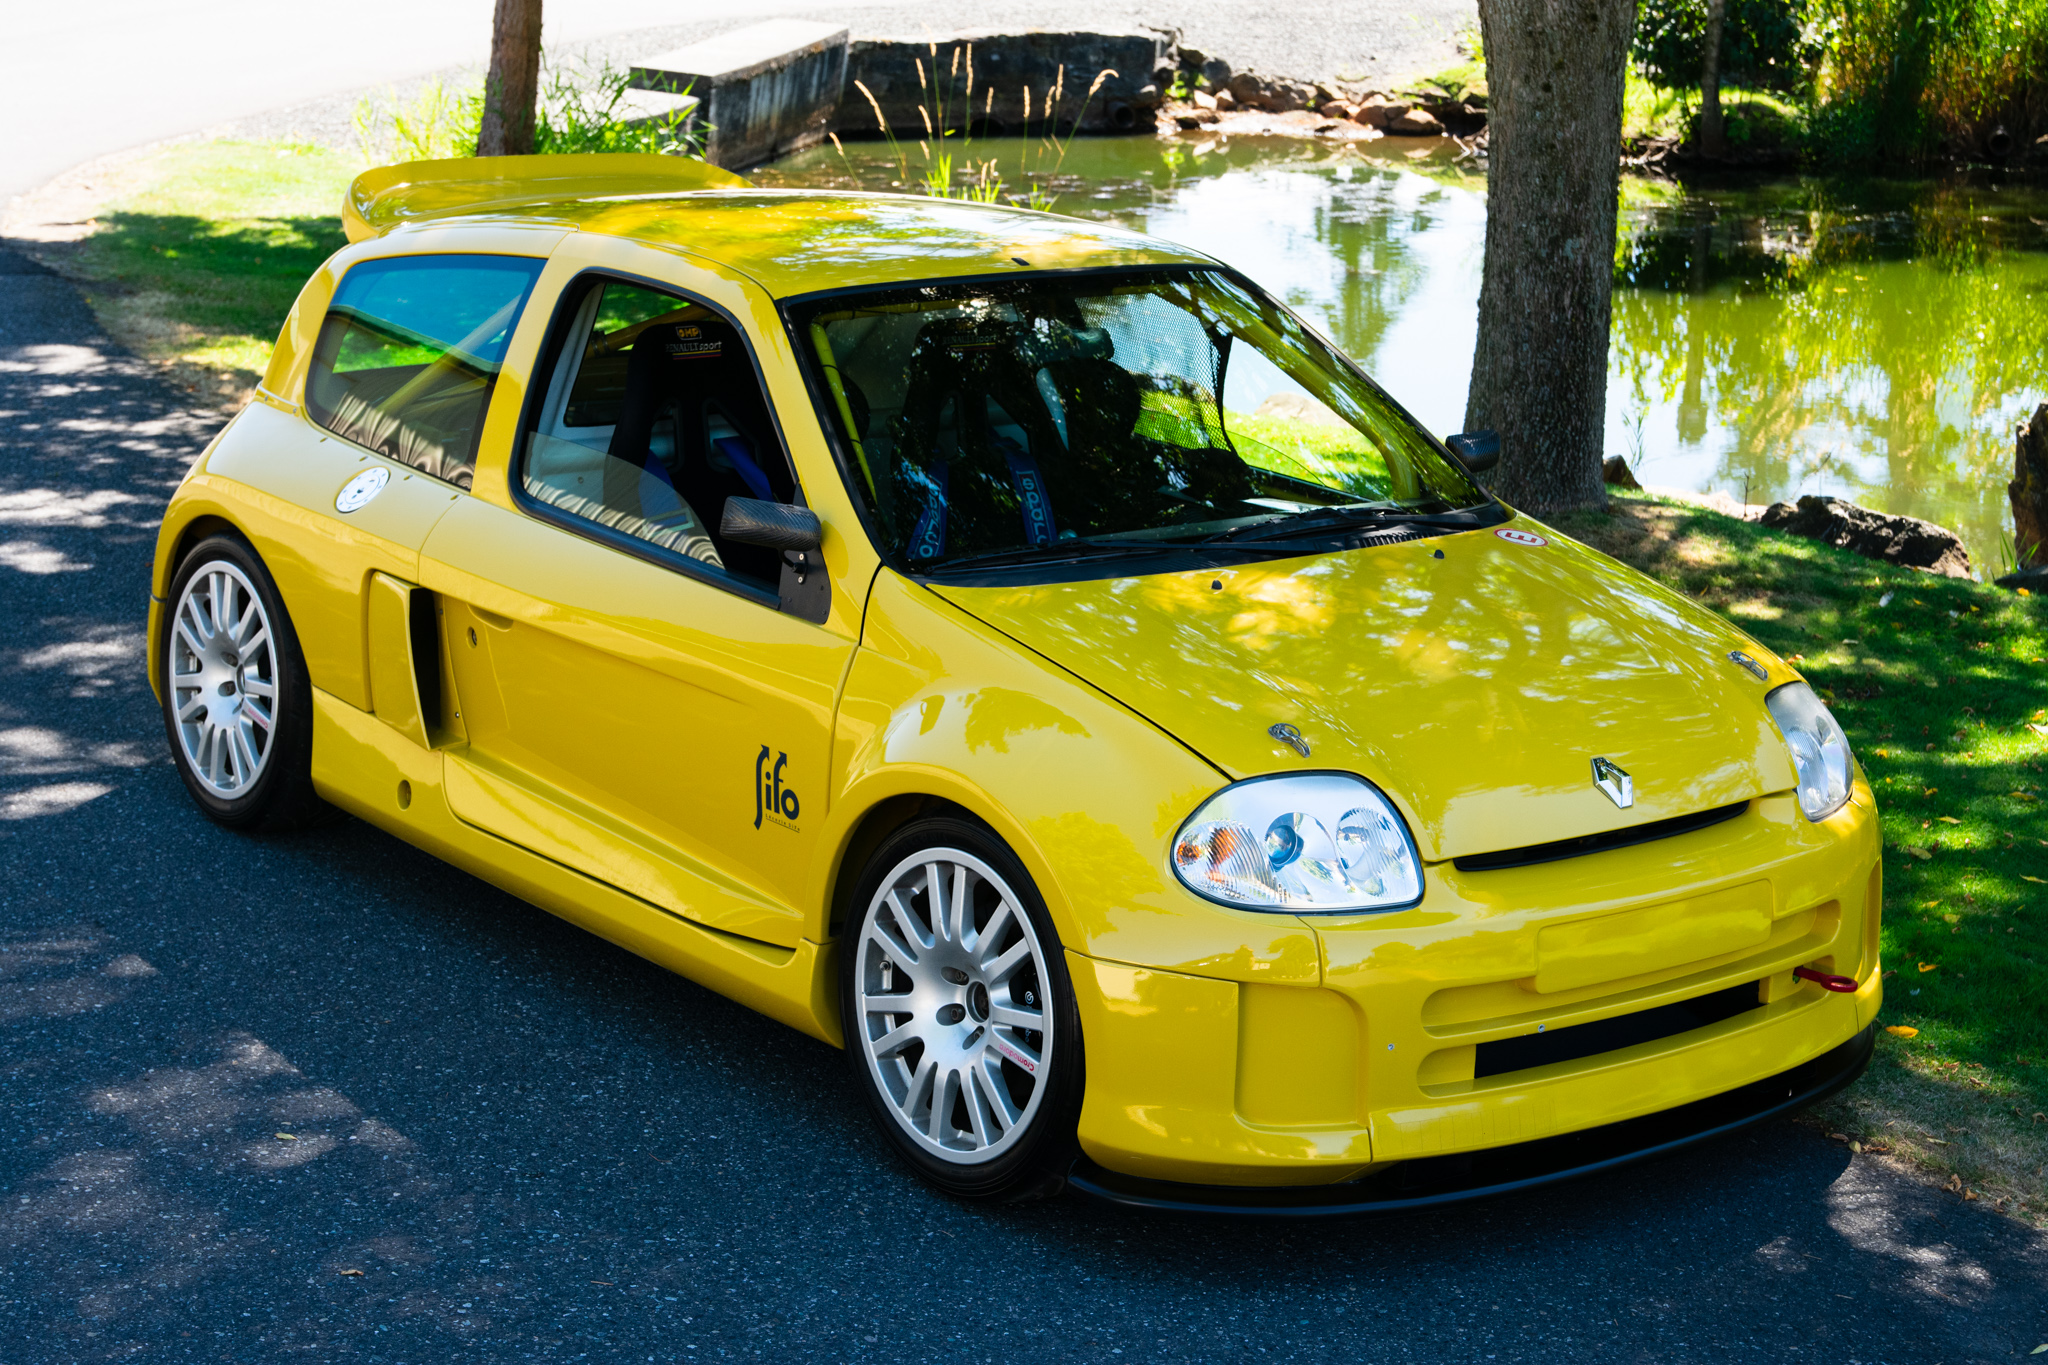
<point x="1432" y="1182"/>
<point x="1440" y="1031"/>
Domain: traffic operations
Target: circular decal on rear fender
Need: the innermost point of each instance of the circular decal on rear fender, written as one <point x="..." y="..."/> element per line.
<point x="358" y="491"/>
<point x="1509" y="533"/>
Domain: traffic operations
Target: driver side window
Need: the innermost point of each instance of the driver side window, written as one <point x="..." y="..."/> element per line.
<point x="652" y="419"/>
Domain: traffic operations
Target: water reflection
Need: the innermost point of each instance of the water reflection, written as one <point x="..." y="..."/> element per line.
<point x="1876" y="340"/>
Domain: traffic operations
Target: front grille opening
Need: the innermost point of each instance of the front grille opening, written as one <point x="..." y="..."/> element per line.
<point x="1597" y="843"/>
<point x="1611" y="1035"/>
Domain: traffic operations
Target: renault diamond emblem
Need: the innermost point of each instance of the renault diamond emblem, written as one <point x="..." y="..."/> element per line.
<point x="1619" y="786"/>
<point x="1291" y="737"/>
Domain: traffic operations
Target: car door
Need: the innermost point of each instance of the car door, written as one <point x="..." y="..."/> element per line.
<point x="644" y="700"/>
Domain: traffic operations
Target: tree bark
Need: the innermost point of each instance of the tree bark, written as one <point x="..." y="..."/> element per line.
<point x="2029" y="492"/>
<point x="1554" y="73"/>
<point x="514" y="80"/>
<point x="1713" y="142"/>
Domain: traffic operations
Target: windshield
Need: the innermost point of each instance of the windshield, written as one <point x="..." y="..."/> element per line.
<point x="1060" y="414"/>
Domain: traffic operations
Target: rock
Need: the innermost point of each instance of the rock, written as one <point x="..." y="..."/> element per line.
<point x="1225" y="101"/>
<point x="2029" y="490"/>
<point x="1195" y="118"/>
<point x="1338" y="109"/>
<point x="1907" y="542"/>
<point x="1415" y="123"/>
<point x="1321" y="94"/>
<point x="1216" y="73"/>
<point x="1247" y="89"/>
<point x="1274" y="94"/>
<point x="1378" y="111"/>
<point x="1192" y="58"/>
<point x="1202" y="99"/>
<point x="2034" y="580"/>
<point x="1615" y="471"/>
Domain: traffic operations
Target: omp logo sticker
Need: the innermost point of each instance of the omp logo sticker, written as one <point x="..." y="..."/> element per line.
<point x="687" y="333"/>
<point x="773" y="801"/>
<point x="1510" y="534"/>
<point x="357" y="492"/>
<point x="1011" y="1052"/>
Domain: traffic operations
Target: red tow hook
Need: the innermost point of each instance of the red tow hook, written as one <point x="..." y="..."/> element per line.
<point x="1845" y="985"/>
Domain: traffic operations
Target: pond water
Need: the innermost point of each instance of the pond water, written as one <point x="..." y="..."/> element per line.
<point x="1877" y="340"/>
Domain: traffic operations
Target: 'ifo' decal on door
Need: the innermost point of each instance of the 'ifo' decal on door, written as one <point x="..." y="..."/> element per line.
<point x="771" y="798"/>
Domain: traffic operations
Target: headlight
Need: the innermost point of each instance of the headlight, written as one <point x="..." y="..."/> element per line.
<point x="1310" y="843"/>
<point x="1820" y="751"/>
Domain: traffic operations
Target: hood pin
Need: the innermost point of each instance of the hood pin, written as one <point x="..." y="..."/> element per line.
<point x="1291" y="737"/>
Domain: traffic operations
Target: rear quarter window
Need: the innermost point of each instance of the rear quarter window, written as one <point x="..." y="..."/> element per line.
<point x="409" y="352"/>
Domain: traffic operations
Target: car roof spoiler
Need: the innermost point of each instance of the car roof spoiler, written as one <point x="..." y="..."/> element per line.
<point x="391" y="196"/>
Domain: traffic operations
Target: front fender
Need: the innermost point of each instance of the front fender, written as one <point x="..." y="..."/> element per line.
<point x="1087" y="793"/>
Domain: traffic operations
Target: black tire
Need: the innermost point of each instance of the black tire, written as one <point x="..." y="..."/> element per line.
<point x="1031" y="1157"/>
<point x="276" y="793"/>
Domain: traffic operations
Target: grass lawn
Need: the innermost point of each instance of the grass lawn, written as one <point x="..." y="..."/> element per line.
<point x="1942" y="686"/>
<point x="197" y="251"/>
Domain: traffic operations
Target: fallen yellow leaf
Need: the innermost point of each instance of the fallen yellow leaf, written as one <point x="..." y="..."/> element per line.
<point x="1929" y="905"/>
<point x="351" y="1272"/>
<point x="288" y="1137"/>
<point x="1916" y="852"/>
<point x="1930" y="791"/>
<point x="1929" y="966"/>
<point x="1902" y="1031"/>
<point x="1969" y="1194"/>
<point x="2035" y="880"/>
<point x="1948" y="819"/>
<point x="1952" y="919"/>
<point x="2038" y="1349"/>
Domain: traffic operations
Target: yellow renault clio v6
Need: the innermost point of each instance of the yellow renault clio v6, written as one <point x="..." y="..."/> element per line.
<point x="1024" y="654"/>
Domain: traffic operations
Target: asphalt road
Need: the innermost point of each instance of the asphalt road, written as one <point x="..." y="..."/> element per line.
<point x="535" y="1147"/>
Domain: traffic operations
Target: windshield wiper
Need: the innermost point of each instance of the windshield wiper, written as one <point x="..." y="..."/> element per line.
<point x="1290" y="524"/>
<point x="1058" y="552"/>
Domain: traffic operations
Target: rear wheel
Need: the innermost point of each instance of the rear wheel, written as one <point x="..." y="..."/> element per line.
<point x="959" y="1016"/>
<point x="237" y="704"/>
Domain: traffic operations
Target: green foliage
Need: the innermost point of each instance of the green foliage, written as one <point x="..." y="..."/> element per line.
<point x="1907" y="78"/>
<point x="582" y="108"/>
<point x="582" y="111"/>
<point x="1764" y="44"/>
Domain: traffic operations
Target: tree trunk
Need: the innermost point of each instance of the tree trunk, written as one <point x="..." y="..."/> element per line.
<point x="2029" y="492"/>
<point x="1712" y="141"/>
<point x="514" y="80"/>
<point x="1554" y="72"/>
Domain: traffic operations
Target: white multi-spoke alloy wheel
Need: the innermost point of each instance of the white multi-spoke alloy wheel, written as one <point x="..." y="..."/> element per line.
<point x="222" y="676"/>
<point x="237" y="704"/>
<point x="952" y="1013"/>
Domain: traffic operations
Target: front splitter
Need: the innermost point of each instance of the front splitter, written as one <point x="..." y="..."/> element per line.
<point x="1434" y="1182"/>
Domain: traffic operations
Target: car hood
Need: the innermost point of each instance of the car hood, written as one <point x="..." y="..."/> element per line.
<point x="1474" y="677"/>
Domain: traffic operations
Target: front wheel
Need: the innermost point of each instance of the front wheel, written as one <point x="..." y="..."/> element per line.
<point x="959" y="1015"/>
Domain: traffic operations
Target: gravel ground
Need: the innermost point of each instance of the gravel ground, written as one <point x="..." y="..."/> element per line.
<point x="234" y="1072"/>
<point x="94" y="77"/>
<point x="1368" y="40"/>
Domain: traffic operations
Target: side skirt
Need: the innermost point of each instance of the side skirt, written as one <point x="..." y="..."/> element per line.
<point x="371" y="771"/>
